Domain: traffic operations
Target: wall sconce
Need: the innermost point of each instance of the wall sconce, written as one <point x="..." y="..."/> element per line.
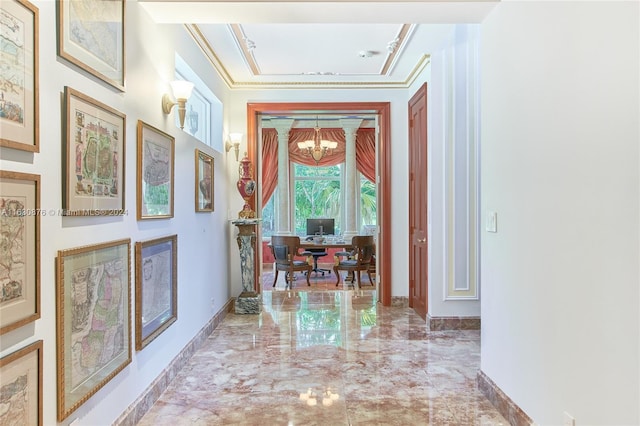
<point x="233" y="142"/>
<point x="181" y="90"/>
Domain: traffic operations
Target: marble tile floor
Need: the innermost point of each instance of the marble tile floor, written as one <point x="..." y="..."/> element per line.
<point x="328" y="358"/>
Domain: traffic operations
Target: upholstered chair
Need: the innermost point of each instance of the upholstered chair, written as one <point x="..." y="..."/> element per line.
<point x="359" y="259"/>
<point x="285" y="250"/>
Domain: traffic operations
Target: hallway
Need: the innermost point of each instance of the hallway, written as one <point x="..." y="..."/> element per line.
<point x="328" y="358"/>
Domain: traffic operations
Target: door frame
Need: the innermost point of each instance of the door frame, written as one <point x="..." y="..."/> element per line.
<point x="383" y="109"/>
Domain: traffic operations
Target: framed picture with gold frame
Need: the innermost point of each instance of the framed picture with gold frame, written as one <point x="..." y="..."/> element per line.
<point x="19" y="125"/>
<point x="91" y="37"/>
<point x="155" y="173"/>
<point x="20" y="269"/>
<point x="93" y="319"/>
<point x="93" y="159"/>
<point x="204" y="182"/>
<point x="21" y="386"/>
<point x="156" y="287"/>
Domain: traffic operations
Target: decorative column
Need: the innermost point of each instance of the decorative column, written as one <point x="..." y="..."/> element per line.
<point x="283" y="224"/>
<point x="352" y="188"/>
<point x="249" y="302"/>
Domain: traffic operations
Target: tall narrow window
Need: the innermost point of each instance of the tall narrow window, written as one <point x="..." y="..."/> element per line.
<point x="269" y="217"/>
<point x="317" y="193"/>
<point x="368" y="206"/>
<point x="204" y="109"/>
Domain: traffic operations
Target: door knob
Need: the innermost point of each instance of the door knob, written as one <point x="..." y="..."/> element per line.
<point x="422" y="240"/>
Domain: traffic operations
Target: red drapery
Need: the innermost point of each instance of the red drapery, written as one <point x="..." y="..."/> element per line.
<point x="365" y="154"/>
<point x="269" y="163"/>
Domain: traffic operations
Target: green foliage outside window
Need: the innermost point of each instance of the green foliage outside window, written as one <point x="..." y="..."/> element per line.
<point x="368" y="202"/>
<point x="317" y="194"/>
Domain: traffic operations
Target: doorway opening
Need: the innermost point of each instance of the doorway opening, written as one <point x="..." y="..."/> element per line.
<point x="255" y="113"/>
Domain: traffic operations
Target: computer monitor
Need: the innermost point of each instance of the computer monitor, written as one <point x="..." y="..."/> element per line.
<point x="324" y="226"/>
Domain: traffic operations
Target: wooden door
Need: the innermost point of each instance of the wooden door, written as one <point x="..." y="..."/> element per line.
<point x="418" y="204"/>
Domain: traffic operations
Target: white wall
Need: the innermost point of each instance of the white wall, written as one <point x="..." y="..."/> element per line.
<point x="453" y="139"/>
<point x="560" y="132"/>
<point x="202" y="237"/>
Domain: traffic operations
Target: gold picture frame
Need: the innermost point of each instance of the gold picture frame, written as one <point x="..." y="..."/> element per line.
<point x="21" y="386"/>
<point x="156" y="287"/>
<point x="91" y="36"/>
<point x="204" y="193"/>
<point x="94" y="157"/>
<point x="20" y="272"/>
<point x="93" y="319"/>
<point x="19" y="117"/>
<point x="155" y="171"/>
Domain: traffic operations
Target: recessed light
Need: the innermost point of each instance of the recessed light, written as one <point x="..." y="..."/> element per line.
<point x="366" y="53"/>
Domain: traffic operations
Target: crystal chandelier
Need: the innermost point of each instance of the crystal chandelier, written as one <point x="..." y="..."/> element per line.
<point x="317" y="148"/>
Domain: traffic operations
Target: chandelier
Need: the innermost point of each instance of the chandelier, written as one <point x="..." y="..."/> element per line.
<point x="317" y="148"/>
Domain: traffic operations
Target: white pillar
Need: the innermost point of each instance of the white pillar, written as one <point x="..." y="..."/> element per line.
<point x="352" y="188"/>
<point x="283" y="224"/>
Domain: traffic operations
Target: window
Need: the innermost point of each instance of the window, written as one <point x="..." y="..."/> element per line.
<point x="198" y="109"/>
<point x="317" y="192"/>
<point x="204" y="109"/>
<point x="368" y="205"/>
<point x="269" y="216"/>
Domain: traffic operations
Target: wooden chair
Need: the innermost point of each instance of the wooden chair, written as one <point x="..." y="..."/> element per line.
<point x="372" y="265"/>
<point x="285" y="249"/>
<point x="359" y="258"/>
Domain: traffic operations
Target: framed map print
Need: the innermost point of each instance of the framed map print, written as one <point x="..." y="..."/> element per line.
<point x="21" y="386"/>
<point x="156" y="287"/>
<point x="19" y="250"/>
<point x="155" y="173"/>
<point x="91" y="36"/>
<point x="19" y="75"/>
<point x="93" y="161"/>
<point x="204" y="182"/>
<point x="93" y="319"/>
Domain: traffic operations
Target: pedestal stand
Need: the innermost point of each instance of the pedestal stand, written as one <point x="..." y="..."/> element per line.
<point x="249" y="302"/>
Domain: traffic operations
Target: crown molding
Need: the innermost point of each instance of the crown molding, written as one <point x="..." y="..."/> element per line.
<point x="217" y="64"/>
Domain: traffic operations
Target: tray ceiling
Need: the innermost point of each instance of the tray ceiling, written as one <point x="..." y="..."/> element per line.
<point x="317" y="44"/>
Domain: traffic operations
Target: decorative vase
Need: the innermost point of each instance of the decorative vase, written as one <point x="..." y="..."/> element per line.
<point x="246" y="187"/>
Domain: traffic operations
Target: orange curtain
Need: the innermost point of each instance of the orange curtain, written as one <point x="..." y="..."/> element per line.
<point x="269" y="163"/>
<point x="366" y="153"/>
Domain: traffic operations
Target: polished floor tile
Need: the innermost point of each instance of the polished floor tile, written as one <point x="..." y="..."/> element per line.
<point x="328" y="357"/>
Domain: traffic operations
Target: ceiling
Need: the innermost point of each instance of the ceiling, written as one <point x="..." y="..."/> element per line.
<point x="317" y="44"/>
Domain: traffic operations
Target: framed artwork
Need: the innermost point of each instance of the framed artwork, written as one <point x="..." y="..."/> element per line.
<point x="155" y="173"/>
<point x="20" y="249"/>
<point x="19" y="75"/>
<point x="93" y="161"/>
<point x="204" y="182"/>
<point x="91" y="36"/>
<point x="93" y="319"/>
<point x="156" y="287"/>
<point x="21" y="386"/>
